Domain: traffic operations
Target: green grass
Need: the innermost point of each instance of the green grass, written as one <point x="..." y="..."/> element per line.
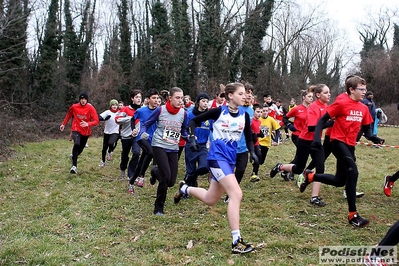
<point x="50" y="217"/>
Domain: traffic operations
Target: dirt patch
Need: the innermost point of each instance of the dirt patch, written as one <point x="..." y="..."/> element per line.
<point x="17" y="129"/>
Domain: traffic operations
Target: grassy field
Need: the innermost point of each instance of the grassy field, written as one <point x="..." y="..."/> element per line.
<point x="50" y="217"/>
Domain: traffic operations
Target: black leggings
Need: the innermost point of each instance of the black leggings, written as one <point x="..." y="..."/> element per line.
<point x="302" y="154"/>
<point x="255" y="168"/>
<point x="127" y="146"/>
<point x="109" y="143"/>
<point x="241" y="165"/>
<point x="79" y="143"/>
<point x="327" y="146"/>
<point x="346" y="173"/>
<point x="263" y="151"/>
<point x="392" y="236"/>
<point x="394" y="177"/>
<point x="145" y="159"/>
<point x="167" y="169"/>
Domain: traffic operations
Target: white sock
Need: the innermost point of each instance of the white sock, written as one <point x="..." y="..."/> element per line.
<point x="236" y="235"/>
<point x="184" y="189"/>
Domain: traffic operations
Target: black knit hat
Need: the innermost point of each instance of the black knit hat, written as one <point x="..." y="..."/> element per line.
<point x="84" y="95"/>
<point x="200" y="96"/>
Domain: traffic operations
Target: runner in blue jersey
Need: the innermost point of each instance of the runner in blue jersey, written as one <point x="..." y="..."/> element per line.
<point x="141" y="116"/>
<point x="196" y="161"/>
<point x="242" y="151"/>
<point x="230" y="122"/>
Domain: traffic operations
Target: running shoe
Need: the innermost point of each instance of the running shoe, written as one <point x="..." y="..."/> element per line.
<point x="299" y="180"/>
<point x="140" y="181"/>
<point x="123" y="174"/>
<point x="358" y="221"/>
<point x="74" y="170"/>
<point x="317" y="201"/>
<point x="130" y="189"/>
<point x="284" y="175"/>
<point x="109" y="157"/>
<point x="240" y="247"/>
<point x="291" y="176"/>
<point x="159" y="213"/>
<point x="226" y="199"/>
<point x="305" y="182"/>
<point x="254" y="178"/>
<point x="275" y="170"/>
<point x="102" y="164"/>
<point x="179" y="195"/>
<point x="358" y="194"/>
<point x="388" y="185"/>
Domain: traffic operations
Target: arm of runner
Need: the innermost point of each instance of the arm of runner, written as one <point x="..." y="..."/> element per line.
<point x="319" y="127"/>
<point x="151" y="120"/>
<point x="212" y="114"/>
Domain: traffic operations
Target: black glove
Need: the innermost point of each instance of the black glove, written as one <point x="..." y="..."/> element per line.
<point x="107" y="117"/>
<point x="291" y="127"/>
<point x="316" y="146"/>
<point x="377" y="140"/>
<point x="253" y="158"/>
<point x="261" y="134"/>
<point x="193" y="143"/>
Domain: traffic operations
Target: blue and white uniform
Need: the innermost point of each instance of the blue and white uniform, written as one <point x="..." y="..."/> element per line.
<point x="227" y="131"/>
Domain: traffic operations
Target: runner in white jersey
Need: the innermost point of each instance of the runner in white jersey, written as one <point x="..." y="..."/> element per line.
<point x="111" y="131"/>
<point x="230" y="122"/>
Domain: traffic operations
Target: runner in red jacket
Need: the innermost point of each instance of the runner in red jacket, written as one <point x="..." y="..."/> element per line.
<point x="83" y="116"/>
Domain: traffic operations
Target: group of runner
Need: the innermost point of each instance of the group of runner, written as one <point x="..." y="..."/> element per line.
<point x="221" y="134"/>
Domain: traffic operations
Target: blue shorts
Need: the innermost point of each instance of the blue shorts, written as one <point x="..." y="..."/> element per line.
<point x="220" y="169"/>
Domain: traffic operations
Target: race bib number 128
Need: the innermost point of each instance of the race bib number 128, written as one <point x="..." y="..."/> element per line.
<point x="171" y="135"/>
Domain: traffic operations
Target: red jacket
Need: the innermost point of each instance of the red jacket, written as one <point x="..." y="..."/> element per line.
<point x="80" y="113"/>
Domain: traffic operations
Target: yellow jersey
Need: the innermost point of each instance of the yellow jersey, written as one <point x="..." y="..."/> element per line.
<point x="267" y="126"/>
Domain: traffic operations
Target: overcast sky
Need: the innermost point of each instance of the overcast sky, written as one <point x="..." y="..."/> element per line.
<point x="349" y="14"/>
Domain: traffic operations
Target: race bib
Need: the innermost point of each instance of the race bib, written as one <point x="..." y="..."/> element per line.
<point x="171" y="135"/>
<point x="265" y="130"/>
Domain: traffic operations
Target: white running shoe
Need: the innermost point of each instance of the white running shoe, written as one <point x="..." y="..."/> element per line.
<point x="358" y="194"/>
<point x="102" y="164"/>
<point x="140" y="182"/>
<point x="74" y="170"/>
<point x="123" y="174"/>
<point x="130" y="189"/>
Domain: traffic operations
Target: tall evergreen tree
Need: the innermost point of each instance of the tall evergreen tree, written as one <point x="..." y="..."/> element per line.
<point x="13" y="55"/>
<point x="182" y="45"/>
<point x="211" y="42"/>
<point x="256" y="24"/>
<point x="160" y="63"/>
<point x="71" y="49"/>
<point x="76" y="48"/>
<point x="396" y="36"/>
<point x="125" y="50"/>
<point x="45" y="74"/>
